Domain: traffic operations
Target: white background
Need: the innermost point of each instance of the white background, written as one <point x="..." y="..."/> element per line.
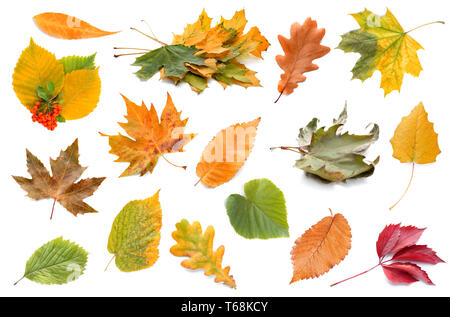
<point x="260" y="267"/>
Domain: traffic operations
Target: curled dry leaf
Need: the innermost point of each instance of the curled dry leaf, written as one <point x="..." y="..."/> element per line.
<point x="135" y="234"/>
<point x="67" y="27"/>
<point x="400" y="242"/>
<point x="415" y="141"/>
<point x="321" y="247"/>
<point x="226" y="153"/>
<point x="61" y="185"/>
<point x="198" y="246"/>
<point x="300" y="50"/>
<point x="149" y="138"/>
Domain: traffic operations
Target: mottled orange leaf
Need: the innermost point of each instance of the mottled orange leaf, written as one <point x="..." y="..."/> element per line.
<point x="300" y="50"/>
<point x="198" y="246"/>
<point x="321" y="247"/>
<point x="415" y="141"/>
<point x="226" y="153"/>
<point x="149" y="138"/>
<point x="67" y="27"/>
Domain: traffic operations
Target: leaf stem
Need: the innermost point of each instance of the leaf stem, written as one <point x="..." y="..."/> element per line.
<point x="407" y="187"/>
<point x="109" y="262"/>
<point x="19" y="280"/>
<point x="149" y="36"/>
<point x="418" y="27"/>
<point x="356" y="275"/>
<point x="53" y="208"/>
<point x="131" y="48"/>
<point x="281" y="93"/>
<point x="137" y="53"/>
<point x="183" y="167"/>
<point x="295" y="149"/>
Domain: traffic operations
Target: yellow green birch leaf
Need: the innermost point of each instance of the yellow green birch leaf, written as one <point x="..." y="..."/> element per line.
<point x="35" y="68"/>
<point x="81" y="93"/>
<point x="198" y="246"/>
<point x="135" y="234"/>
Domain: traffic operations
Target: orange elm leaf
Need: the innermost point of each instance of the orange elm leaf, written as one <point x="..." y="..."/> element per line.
<point x="300" y="50"/>
<point x="226" y="153"/>
<point x="321" y="247"/>
<point x="61" y="185"/>
<point x="149" y="138"/>
<point x="67" y="27"/>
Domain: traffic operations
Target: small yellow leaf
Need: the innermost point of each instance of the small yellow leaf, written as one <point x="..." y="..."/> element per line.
<point x="414" y="139"/>
<point x="36" y="67"/>
<point x="81" y="93"/>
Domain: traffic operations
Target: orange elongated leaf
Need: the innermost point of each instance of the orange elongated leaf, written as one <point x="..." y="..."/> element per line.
<point x="321" y="247"/>
<point x="67" y="27"/>
<point x="198" y="246"/>
<point x="300" y="50"/>
<point x="226" y="153"/>
<point x="415" y="141"/>
<point x="61" y="185"/>
<point x="149" y="138"/>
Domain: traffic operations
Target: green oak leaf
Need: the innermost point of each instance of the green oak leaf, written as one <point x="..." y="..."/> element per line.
<point x="56" y="262"/>
<point x="135" y="234"/>
<point x="71" y="63"/>
<point x="335" y="156"/>
<point x="171" y="57"/>
<point x="261" y="214"/>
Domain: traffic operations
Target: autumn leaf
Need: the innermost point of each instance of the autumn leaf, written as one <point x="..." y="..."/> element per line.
<point x="56" y="262"/>
<point x="203" y="52"/>
<point x="261" y="213"/>
<point x="67" y="27"/>
<point x="226" y="153"/>
<point x="61" y="186"/>
<point x="321" y="247"/>
<point x="400" y="242"/>
<point x="383" y="46"/>
<point x="300" y="50"/>
<point x="198" y="246"/>
<point x="149" y="138"/>
<point x="71" y="63"/>
<point x="415" y="141"/>
<point x="332" y="155"/>
<point x="135" y="234"/>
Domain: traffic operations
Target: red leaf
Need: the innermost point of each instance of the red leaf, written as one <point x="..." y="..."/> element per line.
<point x="409" y="235"/>
<point x="419" y="253"/>
<point x="387" y="239"/>
<point x="405" y="272"/>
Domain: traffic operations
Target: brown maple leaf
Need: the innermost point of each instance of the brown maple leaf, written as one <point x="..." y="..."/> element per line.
<point x="149" y="138"/>
<point x="61" y="185"/>
<point x="300" y="50"/>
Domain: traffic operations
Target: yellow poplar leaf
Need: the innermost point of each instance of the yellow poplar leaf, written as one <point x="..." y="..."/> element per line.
<point x="415" y="141"/>
<point x="195" y="32"/>
<point x="36" y="67"/>
<point x="321" y="247"/>
<point x="199" y="248"/>
<point x="81" y="93"/>
<point x="135" y="234"/>
<point x="226" y="153"/>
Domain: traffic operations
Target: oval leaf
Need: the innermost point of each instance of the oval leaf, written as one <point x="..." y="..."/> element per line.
<point x="321" y="247"/>
<point x="135" y="234"/>
<point x="81" y="93"/>
<point x="67" y="27"/>
<point x="56" y="262"/>
<point x="261" y="214"/>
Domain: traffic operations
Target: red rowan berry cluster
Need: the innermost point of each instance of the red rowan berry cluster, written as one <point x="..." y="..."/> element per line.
<point x="46" y="115"/>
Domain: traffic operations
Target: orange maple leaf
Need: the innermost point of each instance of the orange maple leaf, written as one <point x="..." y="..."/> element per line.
<point x="300" y="50"/>
<point x="149" y="138"/>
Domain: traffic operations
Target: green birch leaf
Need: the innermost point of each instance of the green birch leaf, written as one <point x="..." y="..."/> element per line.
<point x="135" y="234"/>
<point x="71" y="63"/>
<point x="335" y="156"/>
<point x="261" y="214"/>
<point x="171" y="57"/>
<point x="56" y="262"/>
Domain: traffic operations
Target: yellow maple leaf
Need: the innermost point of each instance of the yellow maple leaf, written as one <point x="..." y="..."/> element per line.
<point x="36" y="67"/>
<point x="81" y="93"/>
<point x="415" y="141"/>
<point x="195" y="32"/>
<point x="198" y="246"/>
